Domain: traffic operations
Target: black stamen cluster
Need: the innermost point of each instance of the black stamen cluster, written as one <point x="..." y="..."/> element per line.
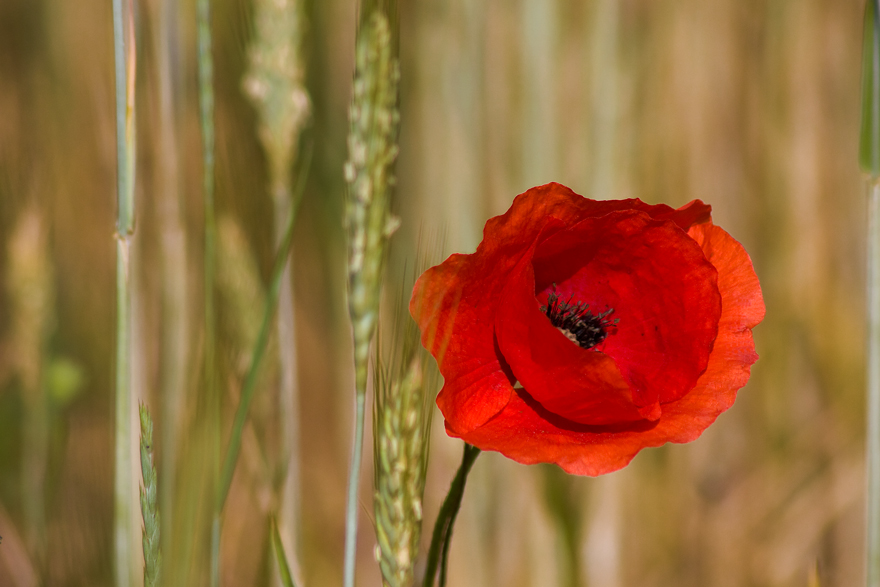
<point x="576" y="321"/>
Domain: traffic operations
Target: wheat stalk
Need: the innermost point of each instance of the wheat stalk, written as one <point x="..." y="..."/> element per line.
<point x="869" y="158"/>
<point x="123" y="514"/>
<point x="372" y="147"/>
<point x="275" y="85"/>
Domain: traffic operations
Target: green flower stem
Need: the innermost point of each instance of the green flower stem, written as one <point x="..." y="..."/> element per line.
<point x="873" y="360"/>
<point x="250" y="382"/>
<point x="275" y="83"/>
<point x="352" y="490"/>
<point x="206" y="108"/>
<point x="175" y="310"/>
<point x="869" y="158"/>
<point x="123" y="510"/>
<point x="438" y="553"/>
<point x="123" y="469"/>
<point x="278" y="549"/>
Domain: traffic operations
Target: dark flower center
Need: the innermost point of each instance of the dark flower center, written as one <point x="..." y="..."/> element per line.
<point x="576" y="322"/>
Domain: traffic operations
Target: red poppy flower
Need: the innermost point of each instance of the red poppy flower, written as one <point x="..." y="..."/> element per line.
<point x="582" y="331"/>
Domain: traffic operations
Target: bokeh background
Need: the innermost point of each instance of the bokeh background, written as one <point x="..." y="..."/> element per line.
<point x="750" y="105"/>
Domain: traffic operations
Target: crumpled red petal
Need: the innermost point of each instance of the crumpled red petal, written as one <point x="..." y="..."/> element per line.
<point x="528" y="433"/>
<point x="669" y="314"/>
<point x="454" y="306"/>
<point x="584" y="385"/>
<point x="456" y="325"/>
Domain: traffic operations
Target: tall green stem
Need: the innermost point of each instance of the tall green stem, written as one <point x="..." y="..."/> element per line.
<point x="352" y="490"/>
<point x="869" y="157"/>
<point x="123" y="507"/>
<point x="284" y="571"/>
<point x="438" y="553"/>
<point x="372" y="146"/>
<point x="175" y="311"/>
<point x="259" y="351"/>
<point x="873" y="359"/>
<point x="275" y="83"/>
<point x="124" y="527"/>
<point x="206" y="103"/>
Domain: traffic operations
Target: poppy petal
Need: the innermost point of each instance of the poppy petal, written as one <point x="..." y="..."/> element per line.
<point x="526" y="432"/>
<point x="456" y="325"/>
<point x="584" y="385"/>
<point x="667" y="311"/>
<point x="454" y="305"/>
<point x="590" y="410"/>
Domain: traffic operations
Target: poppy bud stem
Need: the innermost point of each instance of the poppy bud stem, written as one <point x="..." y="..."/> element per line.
<point x="438" y="553"/>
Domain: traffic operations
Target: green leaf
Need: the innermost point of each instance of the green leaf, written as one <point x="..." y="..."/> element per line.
<point x="278" y="549"/>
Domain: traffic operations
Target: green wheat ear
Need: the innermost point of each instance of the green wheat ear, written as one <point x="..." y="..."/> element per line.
<point x="401" y="421"/>
<point x="405" y="381"/>
<point x="275" y="85"/>
<point x="149" y="507"/>
<point x="372" y="148"/>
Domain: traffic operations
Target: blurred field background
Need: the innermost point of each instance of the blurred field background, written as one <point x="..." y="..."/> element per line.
<point x="750" y="105"/>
